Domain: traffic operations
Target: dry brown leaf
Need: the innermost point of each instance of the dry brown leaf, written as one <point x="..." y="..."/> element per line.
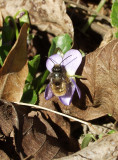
<point x="3" y="155"/>
<point x="101" y="72"/>
<point x="36" y="137"/>
<point x="61" y="125"/>
<point x="15" y="69"/>
<point x="9" y="124"/>
<point x="57" y="119"/>
<point x="24" y="134"/>
<point x="99" y="88"/>
<point x="8" y="118"/>
<point x="47" y="15"/>
<point x="103" y="149"/>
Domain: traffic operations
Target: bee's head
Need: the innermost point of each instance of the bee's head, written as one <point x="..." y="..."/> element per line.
<point x="57" y="68"/>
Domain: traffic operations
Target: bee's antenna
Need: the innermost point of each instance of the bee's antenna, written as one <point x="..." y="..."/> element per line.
<point x="52" y="60"/>
<point x="70" y="61"/>
<point x="65" y="58"/>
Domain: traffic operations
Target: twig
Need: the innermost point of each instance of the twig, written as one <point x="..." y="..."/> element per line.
<point x="88" y="10"/>
<point x="47" y="109"/>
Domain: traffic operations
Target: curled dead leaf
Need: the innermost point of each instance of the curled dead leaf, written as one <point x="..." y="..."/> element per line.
<point x="15" y="69"/>
<point x="48" y="15"/>
<point x="101" y="72"/>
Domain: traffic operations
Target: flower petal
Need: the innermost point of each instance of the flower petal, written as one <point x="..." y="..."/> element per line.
<point x="56" y="59"/>
<point x="72" y="61"/>
<point x="77" y="88"/>
<point x="48" y="92"/>
<point x="67" y="98"/>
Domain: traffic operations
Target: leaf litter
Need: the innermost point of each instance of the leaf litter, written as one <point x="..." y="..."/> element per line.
<point x="34" y="134"/>
<point x="48" y="15"/>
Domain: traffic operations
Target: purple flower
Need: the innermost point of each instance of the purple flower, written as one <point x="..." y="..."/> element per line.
<point x="62" y="79"/>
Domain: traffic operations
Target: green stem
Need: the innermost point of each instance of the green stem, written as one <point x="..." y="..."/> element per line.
<point x="26" y="20"/>
<point x="91" y="19"/>
<point x="45" y="75"/>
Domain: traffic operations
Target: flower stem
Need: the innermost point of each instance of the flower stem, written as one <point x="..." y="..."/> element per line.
<point x="91" y="18"/>
<point x="45" y="75"/>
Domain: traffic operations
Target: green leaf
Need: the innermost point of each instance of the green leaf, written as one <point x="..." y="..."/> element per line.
<point x="86" y="140"/>
<point x="42" y="79"/>
<point x="4" y="50"/>
<point x="8" y="31"/>
<point x="62" y="42"/>
<point x="109" y="114"/>
<point x="23" y="16"/>
<point x="29" y="96"/>
<point x="33" y="66"/>
<point x="82" y="53"/>
<point x="42" y="89"/>
<point x="114" y="14"/>
<point x="114" y="1"/>
<point x="27" y="87"/>
<point x="8" y="36"/>
<point x="100" y="135"/>
<point x="116" y="34"/>
<point x="111" y="131"/>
